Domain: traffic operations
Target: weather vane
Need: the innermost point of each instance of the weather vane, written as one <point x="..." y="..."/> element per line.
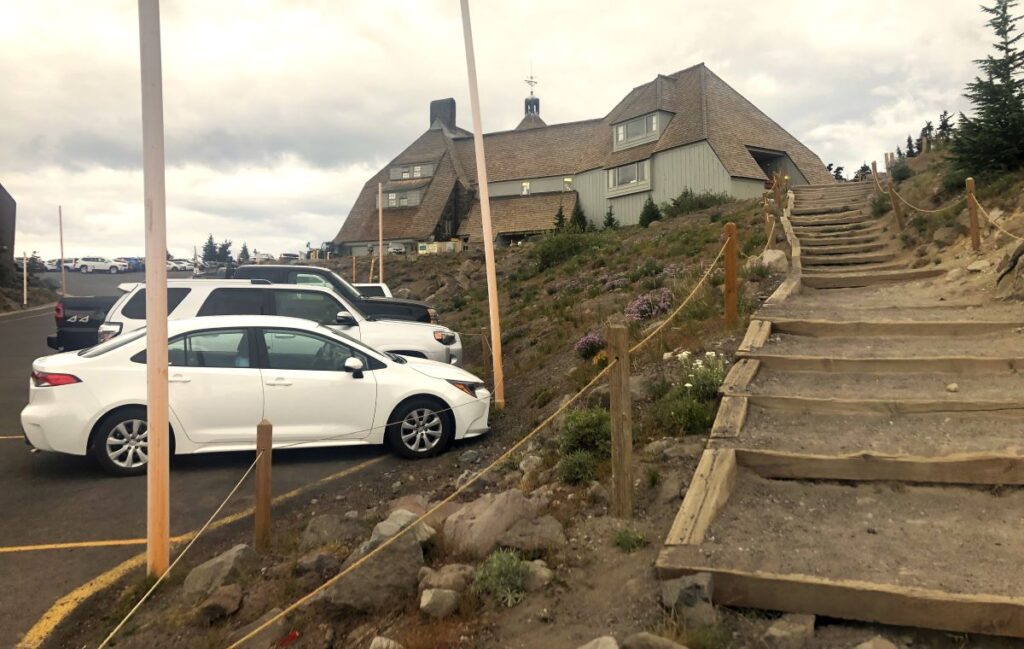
<point x="531" y="80"/>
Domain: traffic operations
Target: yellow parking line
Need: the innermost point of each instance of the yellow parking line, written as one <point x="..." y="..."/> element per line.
<point x="12" y="437"/>
<point x="66" y="605"/>
<point x="70" y="546"/>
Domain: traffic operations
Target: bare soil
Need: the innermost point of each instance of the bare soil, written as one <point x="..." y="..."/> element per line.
<point x="1008" y="344"/>
<point x="1006" y="386"/>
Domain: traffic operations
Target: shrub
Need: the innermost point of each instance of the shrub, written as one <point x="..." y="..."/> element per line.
<point x="704" y="375"/>
<point x="630" y="540"/>
<point x="758" y="271"/>
<point x="587" y="429"/>
<point x="679" y="412"/>
<point x="588" y="346"/>
<point x="502" y="578"/>
<point x="650" y="213"/>
<point x="900" y="171"/>
<point x="688" y="202"/>
<point x="653" y="476"/>
<point x="557" y="247"/>
<point x="649" y="305"/>
<point x="879" y="205"/>
<point x="649" y="268"/>
<point x="578" y="467"/>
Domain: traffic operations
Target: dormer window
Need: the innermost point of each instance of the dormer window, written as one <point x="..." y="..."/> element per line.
<point x="402" y="199"/>
<point x="408" y="172"/>
<point x="637" y="131"/>
<point x="525" y="191"/>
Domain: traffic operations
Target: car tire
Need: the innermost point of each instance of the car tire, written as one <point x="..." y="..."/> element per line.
<point x="113" y="270"/>
<point x="119" y="440"/>
<point x="420" y="427"/>
<point x="83" y="269"/>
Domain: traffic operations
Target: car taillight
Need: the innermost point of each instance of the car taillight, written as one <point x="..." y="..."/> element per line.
<point x="50" y="379"/>
<point x="108" y="330"/>
<point x="444" y="337"/>
<point x="58" y="312"/>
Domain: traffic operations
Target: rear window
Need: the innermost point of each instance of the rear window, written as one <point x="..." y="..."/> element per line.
<point x="371" y="291"/>
<point x="235" y="301"/>
<point x="113" y="343"/>
<point x="136" y="307"/>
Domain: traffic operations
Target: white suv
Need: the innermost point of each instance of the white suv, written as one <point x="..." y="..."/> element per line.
<point x="101" y="264"/>
<point x="211" y="297"/>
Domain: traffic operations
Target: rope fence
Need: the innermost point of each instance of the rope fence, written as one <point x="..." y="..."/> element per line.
<point x="994" y="224"/>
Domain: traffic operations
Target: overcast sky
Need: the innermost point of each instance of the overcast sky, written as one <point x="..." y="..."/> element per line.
<point x="277" y="111"/>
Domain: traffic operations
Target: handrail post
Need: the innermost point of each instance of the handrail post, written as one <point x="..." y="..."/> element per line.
<point x="897" y="210"/>
<point x="777" y="178"/>
<point x="769" y="223"/>
<point x="972" y="211"/>
<point x="731" y="263"/>
<point x="621" y="407"/>
<point x="264" y="451"/>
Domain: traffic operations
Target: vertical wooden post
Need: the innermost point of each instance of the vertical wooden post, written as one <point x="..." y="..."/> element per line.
<point x="778" y="190"/>
<point x="731" y="263"/>
<point x="264" y="450"/>
<point x="354" y="280"/>
<point x="380" y="231"/>
<point x="60" y="228"/>
<point x="874" y="173"/>
<point x="622" y="422"/>
<point x="370" y="277"/>
<point x="769" y="225"/>
<point x="24" y="279"/>
<point x="158" y="510"/>
<point x="897" y="209"/>
<point x="484" y="349"/>
<point x="972" y="211"/>
<point x="485" y="209"/>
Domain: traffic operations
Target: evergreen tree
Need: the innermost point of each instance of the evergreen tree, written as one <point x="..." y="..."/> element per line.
<point x="650" y="213"/>
<point x="911" y="151"/>
<point x="243" y="254"/>
<point x="945" y="130"/>
<point x="224" y="252"/>
<point x="992" y="139"/>
<point x="610" y="222"/>
<point x="578" y="220"/>
<point x="928" y="131"/>
<point x="560" y="219"/>
<point x="837" y="173"/>
<point x="210" y="250"/>
<point x="899" y="154"/>
<point x="863" y="173"/>
<point x="829" y="167"/>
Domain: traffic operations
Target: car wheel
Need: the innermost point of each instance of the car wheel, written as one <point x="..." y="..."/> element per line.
<point x="113" y="270"/>
<point x="121" y="443"/>
<point x="420" y="428"/>
<point x="83" y="269"/>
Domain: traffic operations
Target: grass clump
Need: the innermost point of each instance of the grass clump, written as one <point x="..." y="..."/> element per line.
<point x="653" y="477"/>
<point x="879" y="205"/>
<point x="689" y="408"/>
<point x="900" y="171"/>
<point x="630" y="540"/>
<point x="689" y="201"/>
<point x="501" y="579"/>
<point x="589" y="430"/>
<point x="578" y="467"/>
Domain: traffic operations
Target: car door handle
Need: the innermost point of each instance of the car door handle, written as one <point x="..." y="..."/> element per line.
<point x="278" y="382"/>
<point x="178" y="378"/>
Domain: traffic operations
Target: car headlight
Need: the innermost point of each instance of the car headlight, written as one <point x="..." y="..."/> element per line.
<point x="469" y="387"/>
<point x="444" y="337"/>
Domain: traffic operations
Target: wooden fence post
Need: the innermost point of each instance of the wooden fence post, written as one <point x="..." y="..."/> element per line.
<point x="622" y="422"/>
<point x="972" y="211"/>
<point x="769" y="223"/>
<point x="874" y="173"/>
<point x="485" y="351"/>
<point x="354" y="280"/>
<point x="370" y="276"/>
<point x="264" y="445"/>
<point x="731" y="262"/>
<point x="778" y="190"/>
<point x="897" y="209"/>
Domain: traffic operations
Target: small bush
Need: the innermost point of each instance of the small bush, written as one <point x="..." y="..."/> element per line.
<point x="653" y="476"/>
<point x="879" y="205"/>
<point x="704" y="374"/>
<point x="689" y="201"/>
<point x="578" y="467"/>
<point x="558" y="247"/>
<point x="679" y="413"/>
<point x="649" y="305"/>
<point x="630" y="540"/>
<point x="587" y="429"/>
<point x="588" y="346"/>
<point x="502" y="578"/>
<point x="758" y="271"/>
<point x="900" y="171"/>
<point x="650" y="213"/>
<point x="649" y="268"/>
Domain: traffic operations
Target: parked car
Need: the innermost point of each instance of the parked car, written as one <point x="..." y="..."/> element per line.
<point x="102" y="265"/>
<point x="320" y="388"/>
<point x="289" y="258"/>
<point x="35" y="265"/>
<point x="52" y="265"/>
<point x="396" y="249"/>
<point x="390" y="308"/>
<point x="376" y="289"/>
<point x="209" y="297"/>
<point x="71" y="263"/>
<point x="134" y="264"/>
<point x="184" y="264"/>
<point x="263" y="258"/>
<point x="78" y="320"/>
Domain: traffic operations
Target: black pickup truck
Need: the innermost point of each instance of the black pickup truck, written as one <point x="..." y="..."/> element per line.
<point x="388" y="308"/>
<point x="77" y="319"/>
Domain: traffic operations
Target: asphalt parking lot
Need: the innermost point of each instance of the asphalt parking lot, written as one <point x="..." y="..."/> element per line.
<point x="53" y="499"/>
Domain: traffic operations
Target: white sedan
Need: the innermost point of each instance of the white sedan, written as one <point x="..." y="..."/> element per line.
<point x="226" y="373"/>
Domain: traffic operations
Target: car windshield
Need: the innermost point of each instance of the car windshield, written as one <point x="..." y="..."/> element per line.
<point x="346" y="289"/>
<point x="112" y="344"/>
<point x="358" y="343"/>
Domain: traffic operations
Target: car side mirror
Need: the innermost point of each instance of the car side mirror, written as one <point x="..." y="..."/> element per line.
<point x="354" y="365"/>
<point x="345" y="319"/>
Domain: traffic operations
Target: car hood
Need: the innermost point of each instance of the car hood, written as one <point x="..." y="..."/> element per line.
<point x="397" y="301"/>
<point x="443" y="371"/>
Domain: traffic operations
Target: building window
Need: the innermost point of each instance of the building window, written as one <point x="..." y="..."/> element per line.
<point x="628" y="175"/>
<point x="406" y="172"/>
<point x="641" y="128"/>
<point x="526" y="188"/>
<point x="417" y="171"/>
<point x="567" y="184"/>
<point x="402" y="199"/>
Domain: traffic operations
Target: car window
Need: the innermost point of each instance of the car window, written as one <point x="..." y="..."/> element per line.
<point x="288" y="349"/>
<point x="235" y="301"/>
<point x="136" y="306"/>
<point x="309" y="279"/>
<point x="308" y="305"/>
<point x="371" y="291"/>
<point x="112" y="344"/>
<point x="217" y="348"/>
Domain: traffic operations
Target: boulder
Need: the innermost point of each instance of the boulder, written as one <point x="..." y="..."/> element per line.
<point x="538" y="575"/>
<point x="454" y="576"/>
<point x="686" y="591"/>
<point x="791" y="631"/>
<point x="649" y="641"/>
<point x="329" y="528"/>
<point x="318" y="562"/>
<point x="223" y="602"/>
<point x="397" y="521"/>
<point x="978" y="266"/>
<point x="473" y="531"/>
<point x="268" y="636"/>
<point x="604" y="642"/>
<point x="944" y="236"/>
<point x="416" y="504"/>
<point x="533" y="535"/>
<point x="208" y="577"/>
<point x="439" y="602"/>
<point x="472" y="456"/>
<point x="380" y="642"/>
<point x="877" y="642"/>
<point x="597" y="494"/>
<point x="775" y="260"/>
<point x="389" y="577"/>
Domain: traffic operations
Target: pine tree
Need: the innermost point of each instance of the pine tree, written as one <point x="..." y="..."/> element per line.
<point x="578" y="220"/>
<point x="610" y="222"/>
<point x="224" y="252"/>
<point x="863" y="173"/>
<point x="650" y="213"/>
<point x="899" y="154"/>
<point x="243" y="254"/>
<point x="560" y="219"/>
<point x="210" y="250"/>
<point x="829" y="167"/>
<point x="911" y="151"/>
<point x="992" y="139"/>
<point x="945" y="130"/>
<point x="837" y="173"/>
<point x="928" y="131"/>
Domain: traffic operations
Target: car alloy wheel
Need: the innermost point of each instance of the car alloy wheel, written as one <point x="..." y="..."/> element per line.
<point x="127" y="444"/>
<point x="113" y="270"/>
<point x="422" y="430"/>
<point x="84" y="269"/>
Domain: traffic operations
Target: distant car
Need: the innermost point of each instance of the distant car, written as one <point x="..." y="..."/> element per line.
<point x="71" y="263"/>
<point x="52" y="265"/>
<point x="177" y="265"/>
<point x="101" y="265"/>
<point x="289" y="258"/>
<point x="184" y="264"/>
<point x="319" y="387"/>
<point x="263" y="258"/>
<point x="396" y="249"/>
<point x="373" y="290"/>
<point x="135" y="264"/>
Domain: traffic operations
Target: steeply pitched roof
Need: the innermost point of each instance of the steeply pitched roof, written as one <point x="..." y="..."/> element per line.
<point x="519" y="214"/>
<point x="531" y="120"/>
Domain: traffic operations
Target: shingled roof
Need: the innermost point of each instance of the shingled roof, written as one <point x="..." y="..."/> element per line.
<point x="519" y="214"/>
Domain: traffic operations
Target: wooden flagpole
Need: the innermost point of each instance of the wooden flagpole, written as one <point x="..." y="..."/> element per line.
<point x="60" y="229"/>
<point x="380" y="231"/>
<point x="485" y="211"/>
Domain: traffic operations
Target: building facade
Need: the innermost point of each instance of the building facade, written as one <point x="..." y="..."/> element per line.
<point x="7" y="222"/>
<point x="687" y="130"/>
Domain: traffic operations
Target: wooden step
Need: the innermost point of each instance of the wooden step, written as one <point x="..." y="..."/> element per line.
<point x="847" y="206"/>
<point x="832" y="248"/>
<point x="845" y="259"/>
<point x="831" y="187"/>
<point x="840" y="218"/>
<point x="856" y="279"/>
<point x="848" y="405"/>
<point x="860" y="268"/>
<point x="826" y="328"/>
<point x="842" y="230"/>
<point x="811" y="241"/>
<point x="909" y="365"/>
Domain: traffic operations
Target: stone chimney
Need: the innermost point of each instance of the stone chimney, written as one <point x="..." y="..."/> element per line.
<point x="443" y="110"/>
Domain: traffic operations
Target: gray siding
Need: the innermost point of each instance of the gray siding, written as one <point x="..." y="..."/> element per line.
<point x="627" y="208"/>
<point x="537" y="186"/>
<point x="747" y="188"/>
<point x="695" y="166"/>
<point x="7" y="217"/>
<point x="590" y="186"/>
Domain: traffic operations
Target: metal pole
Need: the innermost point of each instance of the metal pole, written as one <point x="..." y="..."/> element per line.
<point x="60" y="227"/>
<point x="157" y="480"/>
<point x="24" y="279"/>
<point x="380" y="230"/>
<point x="485" y="210"/>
